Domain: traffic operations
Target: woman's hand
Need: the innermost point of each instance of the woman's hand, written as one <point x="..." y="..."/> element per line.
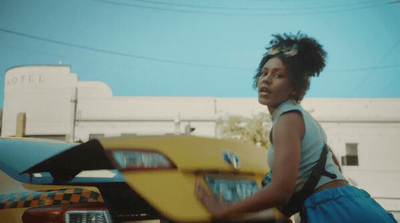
<point x="216" y="208"/>
<point x="287" y="135"/>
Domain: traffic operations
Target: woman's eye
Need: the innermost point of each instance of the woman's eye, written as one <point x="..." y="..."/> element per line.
<point x="278" y="75"/>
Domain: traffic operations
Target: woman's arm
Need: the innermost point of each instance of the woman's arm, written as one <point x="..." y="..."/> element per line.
<point x="287" y="135"/>
<point x="335" y="160"/>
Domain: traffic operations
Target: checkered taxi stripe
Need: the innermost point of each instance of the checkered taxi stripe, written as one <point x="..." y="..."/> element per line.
<point x="48" y="197"/>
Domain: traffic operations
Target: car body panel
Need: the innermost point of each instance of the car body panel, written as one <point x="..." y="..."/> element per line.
<point x="191" y="153"/>
<point x="171" y="192"/>
<point x="167" y="192"/>
<point x="20" y="192"/>
<point x="17" y="197"/>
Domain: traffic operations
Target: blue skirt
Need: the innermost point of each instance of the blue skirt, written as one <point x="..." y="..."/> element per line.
<point x="343" y="204"/>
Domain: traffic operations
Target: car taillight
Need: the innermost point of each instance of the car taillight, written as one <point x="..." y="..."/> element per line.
<point x="68" y="213"/>
<point x="141" y="160"/>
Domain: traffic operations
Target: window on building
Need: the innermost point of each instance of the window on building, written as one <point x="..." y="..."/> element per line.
<point x="351" y="158"/>
<point x="96" y="136"/>
<point x="128" y="134"/>
<point x="52" y="137"/>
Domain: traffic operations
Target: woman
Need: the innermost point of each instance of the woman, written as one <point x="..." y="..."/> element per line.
<point x="297" y="146"/>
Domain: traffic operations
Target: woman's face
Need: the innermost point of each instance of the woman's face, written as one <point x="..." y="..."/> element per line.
<point x="274" y="84"/>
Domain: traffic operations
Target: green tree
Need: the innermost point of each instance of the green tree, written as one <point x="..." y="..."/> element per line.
<point x="253" y="129"/>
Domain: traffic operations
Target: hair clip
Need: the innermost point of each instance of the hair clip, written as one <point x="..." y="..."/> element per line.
<point x="287" y="51"/>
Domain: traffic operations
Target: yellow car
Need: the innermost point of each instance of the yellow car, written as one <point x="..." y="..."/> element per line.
<point x="126" y="179"/>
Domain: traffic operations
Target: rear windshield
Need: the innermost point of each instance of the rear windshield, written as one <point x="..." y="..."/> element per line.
<point x="17" y="156"/>
<point x="20" y="155"/>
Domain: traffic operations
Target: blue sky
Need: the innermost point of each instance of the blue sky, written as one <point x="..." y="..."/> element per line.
<point x="202" y="48"/>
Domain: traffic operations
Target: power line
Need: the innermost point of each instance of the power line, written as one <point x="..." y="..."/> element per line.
<point x="37" y="52"/>
<point x="245" y="8"/>
<point x="269" y="11"/>
<point x="119" y="53"/>
<point x="159" y="8"/>
<point x="186" y="63"/>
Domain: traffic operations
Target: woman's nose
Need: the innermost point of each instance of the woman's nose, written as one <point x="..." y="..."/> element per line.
<point x="266" y="79"/>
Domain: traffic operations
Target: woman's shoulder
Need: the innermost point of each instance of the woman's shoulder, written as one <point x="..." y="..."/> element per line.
<point x="287" y="107"/>
<point x="290" y="121"/>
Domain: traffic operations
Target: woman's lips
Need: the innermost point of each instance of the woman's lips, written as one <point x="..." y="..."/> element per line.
<point x="263" y="91"/>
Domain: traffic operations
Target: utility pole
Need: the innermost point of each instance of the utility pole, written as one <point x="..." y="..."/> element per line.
<point x="75" y="105"/>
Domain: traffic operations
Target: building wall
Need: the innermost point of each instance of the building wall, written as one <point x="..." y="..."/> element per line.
<point x="56" y="103"/>
<point x="374" y="126"/>
<point x="378" y="169"/>
<point x="44" y="94"/>
<point x="144" y="116"/>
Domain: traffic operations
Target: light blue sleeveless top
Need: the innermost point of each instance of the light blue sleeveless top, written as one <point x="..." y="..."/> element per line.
<point x="311" y="147"/>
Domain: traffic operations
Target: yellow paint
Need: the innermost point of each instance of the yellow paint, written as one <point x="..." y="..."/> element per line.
<point x="171" y="192"/>
<point x="191" y="153"/>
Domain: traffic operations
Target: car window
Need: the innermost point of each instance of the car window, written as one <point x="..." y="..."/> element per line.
<point x="20" y="155"/>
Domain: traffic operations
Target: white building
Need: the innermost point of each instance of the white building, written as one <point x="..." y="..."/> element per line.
<point x="51" y="103"/>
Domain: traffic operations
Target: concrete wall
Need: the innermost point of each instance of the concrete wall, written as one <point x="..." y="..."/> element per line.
<point x="44" y="93"/>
